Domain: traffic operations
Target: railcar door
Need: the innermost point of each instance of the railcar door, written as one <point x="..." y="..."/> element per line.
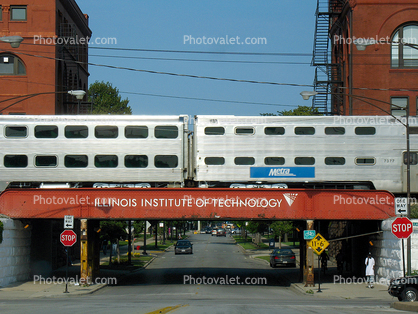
<point x="413" y="157"/>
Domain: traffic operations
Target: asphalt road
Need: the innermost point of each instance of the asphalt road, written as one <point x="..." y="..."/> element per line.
<point x="167" y="283"/>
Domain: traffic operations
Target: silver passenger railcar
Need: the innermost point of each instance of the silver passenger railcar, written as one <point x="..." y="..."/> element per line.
<point x="361" y="152"/>
<point x="100" y="151"/>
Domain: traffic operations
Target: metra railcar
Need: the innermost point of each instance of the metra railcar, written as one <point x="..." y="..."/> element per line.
<point x="222" y="151"/>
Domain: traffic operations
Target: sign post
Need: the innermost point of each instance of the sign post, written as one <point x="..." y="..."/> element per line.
<point x="402" y="228"/>
<point x="68" y="238"/>
<point x="318" y="244"/>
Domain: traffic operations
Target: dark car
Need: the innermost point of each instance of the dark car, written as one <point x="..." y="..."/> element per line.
<point x="209" y="230"/>
<point x="221" y="232"/>
<point x="282" y="257"/>
<point x="404" y="288"/>
<point x="183" y="247"/>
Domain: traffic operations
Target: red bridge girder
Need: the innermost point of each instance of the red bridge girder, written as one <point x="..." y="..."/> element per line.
<point x="198" y="204"/>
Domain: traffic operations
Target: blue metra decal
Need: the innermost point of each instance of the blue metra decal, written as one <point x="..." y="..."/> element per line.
<point x="282" y="172"/>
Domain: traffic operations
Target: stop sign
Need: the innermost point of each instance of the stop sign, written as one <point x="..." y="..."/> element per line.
<point x="402" y="227"/>
<point x="68" y="237"/>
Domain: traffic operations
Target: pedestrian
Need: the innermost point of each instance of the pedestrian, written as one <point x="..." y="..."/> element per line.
<point x="370" y="270"/>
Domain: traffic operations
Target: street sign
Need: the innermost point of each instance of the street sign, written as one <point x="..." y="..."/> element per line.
<point x="400" y="205"/>
<point x="308" y="234"/>
<point x="68" y="237"/>
<point x="318" y="244"/>
<point x="402" y="227"/>
<point x="68" y="222"/>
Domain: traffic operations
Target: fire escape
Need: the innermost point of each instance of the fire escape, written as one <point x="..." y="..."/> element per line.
<point x="328" y="75"/>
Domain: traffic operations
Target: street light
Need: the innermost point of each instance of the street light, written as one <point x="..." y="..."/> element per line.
<point x="14" y="41"/>
<point x="307" y="94"/>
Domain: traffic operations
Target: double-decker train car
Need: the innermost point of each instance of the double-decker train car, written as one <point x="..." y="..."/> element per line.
<point x="357" y="152"/>
<point x="99" y="151"/>
<point x="222" y="151"/>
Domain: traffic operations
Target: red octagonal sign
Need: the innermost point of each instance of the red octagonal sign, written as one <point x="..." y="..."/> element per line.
<point x="402" y="227"/>
<point x="68" y="237"/>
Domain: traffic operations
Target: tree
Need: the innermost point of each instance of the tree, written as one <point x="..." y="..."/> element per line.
<point x="106" y="99"/>
<point x="299" y="111"/>
<point x="112" y="231"/>
<point x="280" y="228"/>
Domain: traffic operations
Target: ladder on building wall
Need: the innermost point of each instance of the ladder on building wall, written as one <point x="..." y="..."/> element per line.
<point x="326" y="73"/>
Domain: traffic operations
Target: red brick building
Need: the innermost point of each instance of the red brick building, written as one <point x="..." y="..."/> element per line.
<point x="51" y="60"/>
<point x="386" y="70"/>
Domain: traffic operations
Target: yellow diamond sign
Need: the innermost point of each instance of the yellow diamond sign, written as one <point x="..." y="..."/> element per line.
<point x="318" y="244"/>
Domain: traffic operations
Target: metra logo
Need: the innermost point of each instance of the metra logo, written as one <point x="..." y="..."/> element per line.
<point x="290" y="197"/>
<point x="276" y="172"/>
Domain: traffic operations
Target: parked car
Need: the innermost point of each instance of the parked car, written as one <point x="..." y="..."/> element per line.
<point x="183" y="247"/>
<point x="236" y="231"/>
<point x="203" y="230"/>
<point x="404" y="288"/>
<point x="282" y="257"/>
<point x="221" y="232"/>
<point x="209" y="230"/>
<point x="214" y="232"/>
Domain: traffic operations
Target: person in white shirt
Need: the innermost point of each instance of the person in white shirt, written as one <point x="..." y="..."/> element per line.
<point x="370" y="270"/>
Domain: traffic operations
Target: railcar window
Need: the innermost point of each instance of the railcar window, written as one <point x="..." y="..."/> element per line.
<point x="304" y="130"/>
<point x="214" y="130"/>
<point x="274" y="130"/>
<point x="365" y="161"/>
<point x="334" y="131"/>
<point x="16" y="131"/>
<point x="136" y="131"/>
<point x="106" y="131"/>
<point x="166" y="161"/>
<point x="136" y="161"/>
<point x="166" y="131"/>
<point x="244" y="161"/>
<point x="106" y="161"/>
<point x="46" y="161"/>
<point x="244" y="131"/>
<point x="215" y="161"/>
<point x="76" y="131"/>
<point x="15" y="161"/>
<point x="46" y="131"/>
<point x="413" y="158"/>
<point x="274" y="161"/>
<point x="335" y="161"/>
<point x="304" y="161"/>
<point x="365" y="130"/>
<point x="76" y="161"/>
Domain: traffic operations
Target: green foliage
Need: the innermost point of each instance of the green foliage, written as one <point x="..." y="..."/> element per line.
<point x="112" y="230"/>
<point x="281" y="227"/>
<point x="299" y="111"/>
<point x="106" y="99"/>
<point x="256" y="227"/>
<point x="139" y="226"/>
<point x="414" y="211"/>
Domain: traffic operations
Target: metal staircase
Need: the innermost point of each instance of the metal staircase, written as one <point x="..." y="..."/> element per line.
<point x="327" y="74"/>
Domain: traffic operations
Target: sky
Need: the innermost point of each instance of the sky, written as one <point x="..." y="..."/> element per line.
<point x="200" y="38"/>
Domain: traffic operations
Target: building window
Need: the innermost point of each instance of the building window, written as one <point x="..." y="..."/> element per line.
<point x="404" y="47"/>
<point x="214" y="130"/>
<point x="166" y="131"/>
<point x="106" y="131"/>
<point x="399" y="105"/>
<point x="18" y="13"/>
<point x="413" y="158"/>
<point x="365" y="130"/>
<point x="365" y="161"/>
<point x="335" y="161"/>
<point x="274" y="161"/>
<point x="46" y="161"/>
<point x="306" y="161"/>
<point x="334" y="131"/>
<point x="11" y="65"/>
<point x="1" y="13"/>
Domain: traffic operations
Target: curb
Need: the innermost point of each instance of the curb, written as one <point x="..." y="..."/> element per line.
<point x="405" y="306"/>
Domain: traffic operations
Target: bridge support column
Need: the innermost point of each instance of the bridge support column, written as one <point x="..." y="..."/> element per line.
<point x="308" y="267"/>
<point x="90" y="251"/>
